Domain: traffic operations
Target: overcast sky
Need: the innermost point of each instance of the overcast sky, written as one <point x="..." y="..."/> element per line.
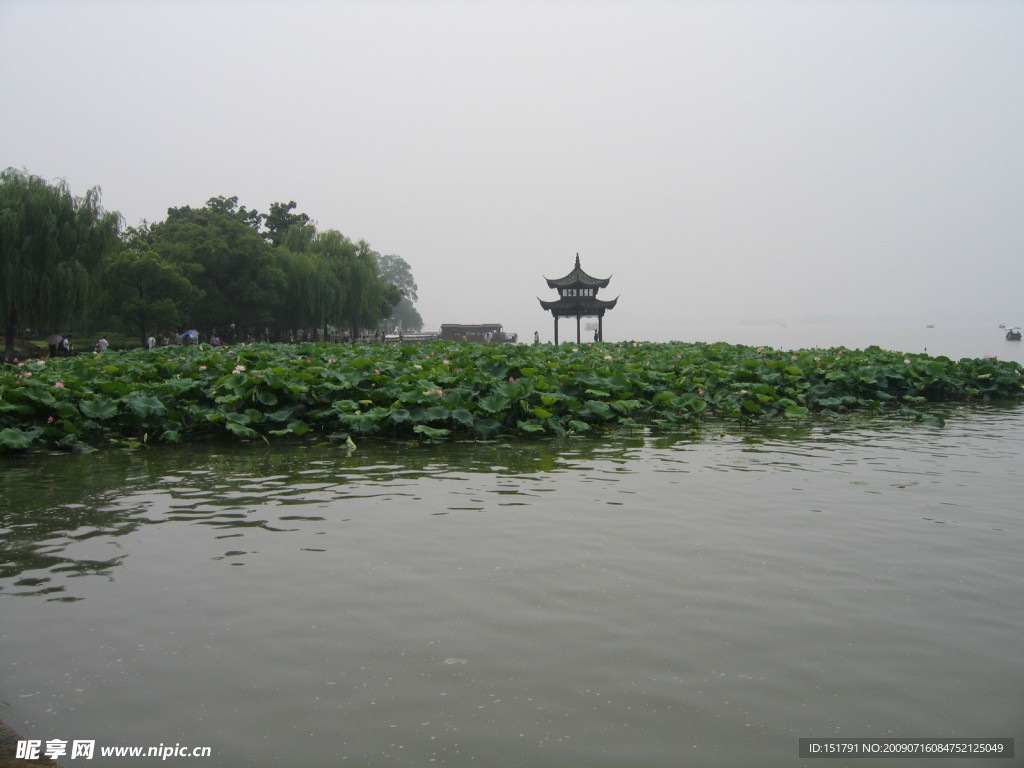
<point x="721" y="161"/>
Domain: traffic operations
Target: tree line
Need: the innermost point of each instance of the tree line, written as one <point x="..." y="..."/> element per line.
<point x="64" y="260"/>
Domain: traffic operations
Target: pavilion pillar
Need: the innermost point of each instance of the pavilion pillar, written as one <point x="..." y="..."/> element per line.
<point x="556" y="328"/>
<point x="577" y="329"/>
<point x="600" y="327"/>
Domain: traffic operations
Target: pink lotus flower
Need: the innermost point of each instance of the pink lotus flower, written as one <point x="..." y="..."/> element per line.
<point x="49" y="420"/>
<point x="202" y="367"/>
<point x="59" y="384"/>
<point x="26" y="374"/>
<point x="238" y="369"/>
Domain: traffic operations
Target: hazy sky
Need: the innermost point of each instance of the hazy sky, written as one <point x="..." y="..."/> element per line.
<point x="722" y="161"/>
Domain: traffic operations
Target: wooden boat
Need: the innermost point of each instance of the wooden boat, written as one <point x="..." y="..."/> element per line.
<point x="1013" y="334"/>
<point x="485" y="333"/>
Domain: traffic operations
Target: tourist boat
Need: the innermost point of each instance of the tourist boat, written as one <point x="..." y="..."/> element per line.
<point x="1013" y="334"/>
<point x="486" y="333"/>
<point x="409" y="338"/>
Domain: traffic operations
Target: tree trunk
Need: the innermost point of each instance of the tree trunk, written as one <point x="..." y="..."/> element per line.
<point x="12" y="326"/>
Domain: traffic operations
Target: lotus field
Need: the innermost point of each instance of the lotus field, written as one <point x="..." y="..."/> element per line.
<point x="460" y="390"/>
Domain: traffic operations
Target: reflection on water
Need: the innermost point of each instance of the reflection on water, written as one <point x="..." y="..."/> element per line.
<point x="53" y="503"/>
<point x="640" y="600"/>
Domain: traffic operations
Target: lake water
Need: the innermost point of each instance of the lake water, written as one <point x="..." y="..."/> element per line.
<point x="631" y="601"/>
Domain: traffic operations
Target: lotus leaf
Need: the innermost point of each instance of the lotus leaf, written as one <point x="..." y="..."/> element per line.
<point x="187" y="393"/>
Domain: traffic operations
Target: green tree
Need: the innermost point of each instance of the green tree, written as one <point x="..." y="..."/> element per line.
<point x="368" y="301"/>
<point x="218" y="247"/>
<point x="51" y="244"/>
<point x="335" y="280"/>
<point x="404" y="316"/>
<point x="396" y="270"/>
<point x="143" y="290"/>
<point x="394" y="314"/>
<point x="314" y="265"/>
<point x="228" y="206"/>
<point x="333" y="253"/>
<point x="302" y="289"/>
<point x="280" y="220"/>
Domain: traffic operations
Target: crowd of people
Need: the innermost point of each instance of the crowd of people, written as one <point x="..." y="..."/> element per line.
<point x="254" y="336"/>
<point x="62" y="346"/>
<point x="59" y="345"/>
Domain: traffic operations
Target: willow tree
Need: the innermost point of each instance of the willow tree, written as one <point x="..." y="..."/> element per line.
<point x="51" y="244"/>
<point x="340" y="285"/>
<point x="314" y="290"/>
<point x="367" y="301"/>
<point x="302" y="288"/>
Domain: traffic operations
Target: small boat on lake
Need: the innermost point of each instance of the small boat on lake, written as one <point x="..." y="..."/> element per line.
<point x="1013" y="334"/>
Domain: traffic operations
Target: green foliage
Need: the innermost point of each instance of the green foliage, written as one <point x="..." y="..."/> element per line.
<point x="16" y="439"/>
<point x="99" y="408"/>
<point x="221" y="252"/>
<point x="51" y="244"/>
<point x="207" y="267"/>
<point x="280" y="220"/>
<point x="144" y="291"/>
<point x="290" y="276"/>
<point x="365" y="301"/>
<point x="401" y="313"/>
<point x="480" y="391"/>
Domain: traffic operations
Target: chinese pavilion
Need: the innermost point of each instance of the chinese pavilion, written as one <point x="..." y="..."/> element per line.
<point x="577" y="297"/>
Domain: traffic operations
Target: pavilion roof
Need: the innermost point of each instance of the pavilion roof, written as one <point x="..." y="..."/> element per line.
<point x="578" y="279"/>
<point x="584" y="306"/>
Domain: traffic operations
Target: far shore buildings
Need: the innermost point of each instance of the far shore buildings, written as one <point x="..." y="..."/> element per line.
<point x="577" y="297"/>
